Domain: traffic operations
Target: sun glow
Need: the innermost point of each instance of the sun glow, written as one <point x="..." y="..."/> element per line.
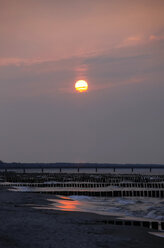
<point x="81" y="86"/>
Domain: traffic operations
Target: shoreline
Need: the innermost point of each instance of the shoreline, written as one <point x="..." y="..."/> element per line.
<point x="25" y="226"/>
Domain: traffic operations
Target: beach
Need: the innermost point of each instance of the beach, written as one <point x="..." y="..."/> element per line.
<point x="24" y="225"/>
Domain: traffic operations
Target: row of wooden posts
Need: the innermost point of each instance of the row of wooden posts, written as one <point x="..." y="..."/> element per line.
<point x="156" y="225"/>
<point x="89" y="178"/>
<point x="87" y="185"/>
<point x="110" y="193"/>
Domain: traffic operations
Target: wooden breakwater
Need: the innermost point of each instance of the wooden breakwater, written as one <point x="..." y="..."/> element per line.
<point x="155" y="225"/>
<point x="100" y="185"/>
<point x="82" y="185"/>
<point x="107" y="193"/>
<point x="87" y="178"/>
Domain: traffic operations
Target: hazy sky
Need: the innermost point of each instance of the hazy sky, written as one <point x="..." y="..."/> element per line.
<point x="117" y="46"/>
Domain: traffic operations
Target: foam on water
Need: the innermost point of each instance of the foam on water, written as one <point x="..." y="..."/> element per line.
<point x="135" y="207"/>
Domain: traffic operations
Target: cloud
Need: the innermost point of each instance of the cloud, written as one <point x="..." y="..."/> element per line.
<point x="22" y="61"/>
<point x="55" y="30"/>
<point x="117" y="46"/>
<point x="111" y="84"/>
<point x="137" y="40"/>
<point x="105" y="69"/>
<point x="156" y="37"/>
<point x="131" y="41"/>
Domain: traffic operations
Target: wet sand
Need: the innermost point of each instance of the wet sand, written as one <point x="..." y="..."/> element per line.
<point x="23" y="226"/>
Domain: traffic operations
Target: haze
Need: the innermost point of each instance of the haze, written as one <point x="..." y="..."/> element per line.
<point x="117" y="46"/>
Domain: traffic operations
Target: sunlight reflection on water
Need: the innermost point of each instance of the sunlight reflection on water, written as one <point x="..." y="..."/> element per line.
<point x="151" y="208"/>
<point x="67" y="204"/>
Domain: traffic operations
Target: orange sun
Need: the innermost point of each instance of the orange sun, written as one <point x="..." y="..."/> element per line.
<point x="81" y="86"/>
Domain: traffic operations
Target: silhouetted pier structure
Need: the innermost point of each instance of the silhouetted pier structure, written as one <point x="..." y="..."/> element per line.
<point x="77" y="167"/>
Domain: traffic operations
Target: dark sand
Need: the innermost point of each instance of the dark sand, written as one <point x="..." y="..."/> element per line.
<point x="23" y="226"/>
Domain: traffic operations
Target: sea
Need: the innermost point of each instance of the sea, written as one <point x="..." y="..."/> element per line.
<point x="143" y="208"/>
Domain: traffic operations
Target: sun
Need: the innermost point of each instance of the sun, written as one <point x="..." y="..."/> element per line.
<point x="81" y="86"/>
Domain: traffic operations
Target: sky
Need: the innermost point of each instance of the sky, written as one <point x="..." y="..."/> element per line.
<point x="117" y="46"/>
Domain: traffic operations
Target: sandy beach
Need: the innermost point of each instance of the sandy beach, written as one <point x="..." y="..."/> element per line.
<point x="25" y="226"/>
